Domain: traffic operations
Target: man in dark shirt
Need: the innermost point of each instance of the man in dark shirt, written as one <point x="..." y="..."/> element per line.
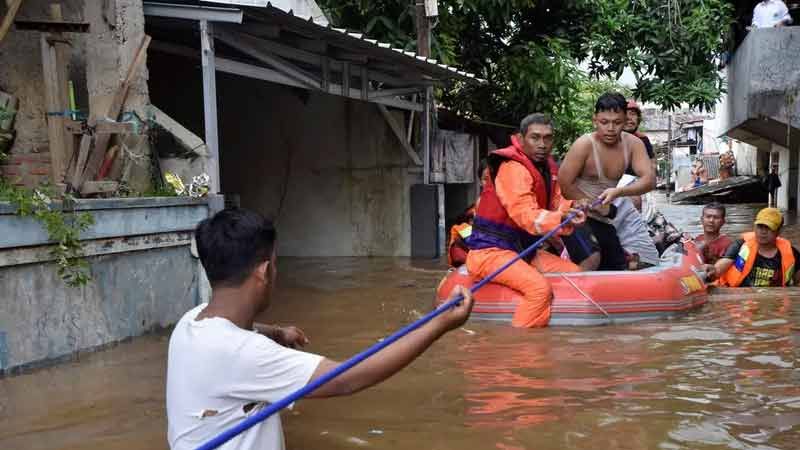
<point x="633" y="120"/>
<point x="772" y="182"/>
<point x="759" y="259"/>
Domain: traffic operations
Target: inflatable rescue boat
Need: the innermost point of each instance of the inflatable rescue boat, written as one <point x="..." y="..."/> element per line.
<point x="671" y="289"/>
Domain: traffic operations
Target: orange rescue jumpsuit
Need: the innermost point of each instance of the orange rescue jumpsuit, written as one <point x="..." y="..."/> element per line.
<point x="514" y="187"/>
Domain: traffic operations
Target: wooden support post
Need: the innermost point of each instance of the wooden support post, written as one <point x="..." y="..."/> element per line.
<point x="55" y="57"/>
<point x="364" y="83"/>
<point x="423" y="30"/>
<point x="210" y="104"/>
<point x="326" y="75"/>
<point x="411" y="121"/>
<point x="425" y="127"/>
<point x="346" y="79"/>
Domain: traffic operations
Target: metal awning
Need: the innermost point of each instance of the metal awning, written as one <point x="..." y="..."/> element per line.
<point x="270" y="44"/>
<point x="308" y="35"/>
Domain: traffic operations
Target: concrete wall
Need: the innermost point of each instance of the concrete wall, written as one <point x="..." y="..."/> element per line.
<point x="764" y="88"/>
<point x="99" y="61"/>
<point x="328" y="169"/>
<point x="143" y="277"/>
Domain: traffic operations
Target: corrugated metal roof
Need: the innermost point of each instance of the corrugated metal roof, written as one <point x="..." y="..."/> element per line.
<point x="380" y="50"/>
<point x="414" y="58"/>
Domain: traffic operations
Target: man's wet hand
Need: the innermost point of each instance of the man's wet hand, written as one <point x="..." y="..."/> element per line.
<point x="290" y="336"/>
<point x="610" y="194"/>
<point x="458" y="314"/>
<point x="582" y="203"/>
<point x="579" y="217"/>
<point x="710" y="271"/>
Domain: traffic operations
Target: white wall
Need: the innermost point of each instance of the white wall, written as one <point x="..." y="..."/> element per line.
<point x="783" y="171"/>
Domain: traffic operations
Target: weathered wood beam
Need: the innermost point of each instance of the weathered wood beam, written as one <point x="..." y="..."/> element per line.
<point x="52" y="26"/>
<point x="55" y="59"/>
<point x="78" y="127"/>
<point x="11" y="13"/>
<point x="251" y="46"/>
<point x="398" y="132"/>
<point x="267" y="74"/>
<point x="296" y="54"/>
<point x="92" y="161"/>
<point x="182" y="135"/>
<point x="394" y="92"/>
<point x="99" y="187"/>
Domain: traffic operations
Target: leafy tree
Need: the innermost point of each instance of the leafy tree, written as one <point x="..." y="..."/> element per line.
<point x="529" y="51"/>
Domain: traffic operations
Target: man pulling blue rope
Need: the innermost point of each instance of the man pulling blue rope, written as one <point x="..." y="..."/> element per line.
<point x="223" y="367"/>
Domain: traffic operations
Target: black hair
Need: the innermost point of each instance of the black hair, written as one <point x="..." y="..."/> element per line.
<point x="611" y="101"/>
<point x="232" y="243"/>
<point x="715" y="206"/>
<point x="535" y="118"/>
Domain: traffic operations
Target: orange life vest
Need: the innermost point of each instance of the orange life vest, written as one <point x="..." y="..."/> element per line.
<point x="492" y="226"/>
<point x="457" y="249"/>
<point x="744" y="261"/>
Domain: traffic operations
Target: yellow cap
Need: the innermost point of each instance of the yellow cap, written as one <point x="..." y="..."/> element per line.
<point x="770" y="217"/>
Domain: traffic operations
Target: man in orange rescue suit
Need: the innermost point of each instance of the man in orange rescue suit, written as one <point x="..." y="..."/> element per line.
<point x="760" y="258"/>
<point x="521" y="202"/>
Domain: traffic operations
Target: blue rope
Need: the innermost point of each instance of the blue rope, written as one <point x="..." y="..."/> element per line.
<point x="232" y="432"/>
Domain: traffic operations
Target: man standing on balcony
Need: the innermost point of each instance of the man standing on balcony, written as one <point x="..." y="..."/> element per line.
<point x="771" y="14"/>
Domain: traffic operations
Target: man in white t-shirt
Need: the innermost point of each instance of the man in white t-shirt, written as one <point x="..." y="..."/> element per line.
<point x="222" y="367"/>
<point x="771" y="13"/>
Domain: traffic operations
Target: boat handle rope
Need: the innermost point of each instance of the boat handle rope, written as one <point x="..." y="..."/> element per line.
<point x="586" y="296"/>
<point x="273" y="408"/>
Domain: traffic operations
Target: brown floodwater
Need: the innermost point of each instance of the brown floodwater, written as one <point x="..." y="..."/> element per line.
<point x="725" y="376"/>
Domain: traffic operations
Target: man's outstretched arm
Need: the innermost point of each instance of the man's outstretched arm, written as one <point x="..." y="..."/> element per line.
<point x="395" y="357"/>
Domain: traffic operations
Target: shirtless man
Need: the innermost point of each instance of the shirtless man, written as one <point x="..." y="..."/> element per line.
<point x="591" y="169"/>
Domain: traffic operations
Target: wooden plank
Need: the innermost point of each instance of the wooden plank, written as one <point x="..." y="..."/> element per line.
<point x="99" y="187"/>
<point x="250" y="46"/>
<point x="183" y="136"/>
<point x="13" y="8"/>
<point x="273" y="76"/>
<point x="395" y="92"/>
<point x="97" y="155"/>
<point x="75" y="126"/>
<point x="74" y="182"/>
<point x="111" y="127"/>
<point x="52" y="26"/>
<point x="55" y="56"/>
<point x="398" y="132"/>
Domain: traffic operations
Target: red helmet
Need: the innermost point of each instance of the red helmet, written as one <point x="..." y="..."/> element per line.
<point x="632" y="105"/>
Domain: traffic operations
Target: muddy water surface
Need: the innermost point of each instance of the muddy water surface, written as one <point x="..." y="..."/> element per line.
<point x="724" y="377"/>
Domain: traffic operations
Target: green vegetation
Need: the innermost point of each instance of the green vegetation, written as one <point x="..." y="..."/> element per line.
<point x="529" y="51"/>
<point x="63" y="227"/>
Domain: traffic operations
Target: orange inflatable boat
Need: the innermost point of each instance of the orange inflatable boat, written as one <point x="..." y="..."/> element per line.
<point x="670" y="289"/>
